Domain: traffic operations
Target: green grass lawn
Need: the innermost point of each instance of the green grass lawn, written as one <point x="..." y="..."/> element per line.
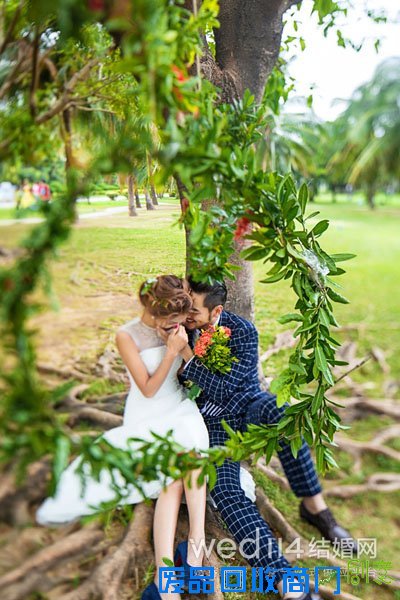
<point x="99" y="269"/>
<point x="358" y="198"/>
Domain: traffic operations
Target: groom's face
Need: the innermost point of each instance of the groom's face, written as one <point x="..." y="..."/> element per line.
<point x="200" y="316"/>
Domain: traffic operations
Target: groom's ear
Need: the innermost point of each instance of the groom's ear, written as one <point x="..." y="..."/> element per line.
<point x="216" y="312"/>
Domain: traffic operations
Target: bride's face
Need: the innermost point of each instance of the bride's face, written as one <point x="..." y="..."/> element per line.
<point x="168" y="324"/>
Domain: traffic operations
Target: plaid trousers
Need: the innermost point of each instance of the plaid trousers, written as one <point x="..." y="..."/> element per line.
<point x="239" y="513"/>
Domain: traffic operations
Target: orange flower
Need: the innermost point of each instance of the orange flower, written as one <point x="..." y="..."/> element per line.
<point x="179" y="74"/>
<point x="243" y="227"/>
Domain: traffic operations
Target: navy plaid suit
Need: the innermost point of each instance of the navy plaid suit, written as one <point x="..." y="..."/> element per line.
<point x="238" y="399"/>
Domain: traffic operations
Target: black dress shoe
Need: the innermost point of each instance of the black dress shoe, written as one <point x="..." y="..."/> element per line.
<point x="330" y="529"/>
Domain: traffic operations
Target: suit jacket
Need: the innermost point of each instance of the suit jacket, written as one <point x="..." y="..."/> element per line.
<point x="229" y="394"/>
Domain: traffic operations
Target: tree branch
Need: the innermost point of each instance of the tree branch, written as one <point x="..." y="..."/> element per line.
<point x="62" y="103"/>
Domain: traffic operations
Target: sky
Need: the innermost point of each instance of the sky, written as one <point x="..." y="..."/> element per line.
<point x="330" y="72"/>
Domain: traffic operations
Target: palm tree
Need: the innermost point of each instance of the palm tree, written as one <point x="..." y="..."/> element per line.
<point x="292" y="140"/>
<point x="371" y="145"/>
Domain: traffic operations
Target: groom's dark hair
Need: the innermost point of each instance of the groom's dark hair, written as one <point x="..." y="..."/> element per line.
<point x="215" y="293"/>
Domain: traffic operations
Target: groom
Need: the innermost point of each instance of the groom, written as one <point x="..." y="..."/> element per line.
<point x="238" y="399"/>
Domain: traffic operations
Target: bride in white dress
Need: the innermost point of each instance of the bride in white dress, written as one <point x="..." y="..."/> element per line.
<point x="156" y="403"/>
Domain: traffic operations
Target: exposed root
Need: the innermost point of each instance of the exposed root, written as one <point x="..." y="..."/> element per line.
<point x="63" y="373"/>
<point x="82" y="411"/>
<point x="391" y="408"/>
<point x="283" y="341"/>
<point x="378" y="482"/>
<point x="14" y="500"/>
<point x="357" y="448"/>
<point x="20" y="582"/>
<point x="133" y="553"/>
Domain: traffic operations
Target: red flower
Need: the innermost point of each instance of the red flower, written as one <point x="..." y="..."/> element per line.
<point x="179" y="74"/>
<point x="184" y="204"/>
<point x="243" y="227"/>
<point x="96" y="5"/>
<point x="8" y="284"/>
<point x="227" y="330"/>
<point x="205" y="339"/>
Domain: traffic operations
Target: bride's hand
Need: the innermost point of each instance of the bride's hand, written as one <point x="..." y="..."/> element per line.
<point x="177" y="340"/>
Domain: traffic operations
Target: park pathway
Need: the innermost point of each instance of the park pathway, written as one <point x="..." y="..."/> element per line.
<point x="101" y="213"/>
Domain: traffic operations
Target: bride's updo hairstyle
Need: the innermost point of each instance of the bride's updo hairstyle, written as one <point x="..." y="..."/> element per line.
<point x="165" y="296"/>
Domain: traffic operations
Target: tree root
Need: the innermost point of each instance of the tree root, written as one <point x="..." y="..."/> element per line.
<point x="106" y="579"/>
<point x="101" y="418"/>
<point x="378" y="482"/>
<point x="389" y="408"/>
<point x="356" y="449"/>
<point x="269" y="472"/>
<point x="14" y="500"/>
<point x="277" y="521"/>
<point x="63" y="373"/>
<point x="282" y="341"/>
<point x="81" y="411"/>
<point x="20" y="582"/>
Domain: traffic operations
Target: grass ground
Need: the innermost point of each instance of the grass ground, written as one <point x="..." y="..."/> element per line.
<point x="98" y="271"/>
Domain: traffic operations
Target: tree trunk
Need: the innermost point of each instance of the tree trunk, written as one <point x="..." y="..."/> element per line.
<point x="247" y="46"/>
<point x="136" y="192"/>
<point x="241" y="291"/>
<point x="131" y="197"/>
<point x="370" y="195"/>
<point x="153" y="195"/>
<point x="149" y="203"/>
<point x="182" y="192"/>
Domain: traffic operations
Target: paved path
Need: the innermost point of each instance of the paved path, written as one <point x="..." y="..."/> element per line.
<point x="100" y="213"/>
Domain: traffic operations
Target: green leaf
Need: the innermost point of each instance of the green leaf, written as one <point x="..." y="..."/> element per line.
<point x="283" y="396"/>
<point x="194" y="392"/>
<point x="295" y="445"/>
<point x="322" y="364"/>
<point x="317" y="400"/>
<point x="254" y="253"/>
<point x="337" y="297"/>
<point x="289" y="317"/>
<point x="62" y="451"/>
<point x="320" y="227"/>
<point x="274" y="278"/>
<point x="342" y="257"/>
<point x="303" y="197"/>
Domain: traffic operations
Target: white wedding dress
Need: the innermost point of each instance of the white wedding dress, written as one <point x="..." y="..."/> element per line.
<point x="168" y="409"/>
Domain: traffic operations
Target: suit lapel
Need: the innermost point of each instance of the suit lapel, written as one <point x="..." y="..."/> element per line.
<point x="222" y="319"/>
<point x="190" y="336"/>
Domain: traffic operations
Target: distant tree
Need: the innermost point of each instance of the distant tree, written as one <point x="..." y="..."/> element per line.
<point x="367" y="134"/>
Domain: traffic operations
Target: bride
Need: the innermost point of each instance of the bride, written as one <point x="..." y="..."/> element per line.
<point x="156" y="403"/>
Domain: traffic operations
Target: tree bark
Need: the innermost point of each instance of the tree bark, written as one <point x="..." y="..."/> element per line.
<point x="136" y="192"/>
<point x="153" y="195"/>
<point x="131" y="197"/>
<point x="149" y="203"/>
<point x="247" y="46"/>
<point x="370" y="195"/>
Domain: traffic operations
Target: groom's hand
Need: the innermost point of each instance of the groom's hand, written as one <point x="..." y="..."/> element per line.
<point x="187" y="353"/>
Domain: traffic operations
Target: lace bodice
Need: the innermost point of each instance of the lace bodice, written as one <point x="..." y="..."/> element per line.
<point x="144" y="336"/>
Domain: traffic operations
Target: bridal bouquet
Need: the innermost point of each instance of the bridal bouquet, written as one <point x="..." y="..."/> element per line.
<point x="213" y="351"/>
